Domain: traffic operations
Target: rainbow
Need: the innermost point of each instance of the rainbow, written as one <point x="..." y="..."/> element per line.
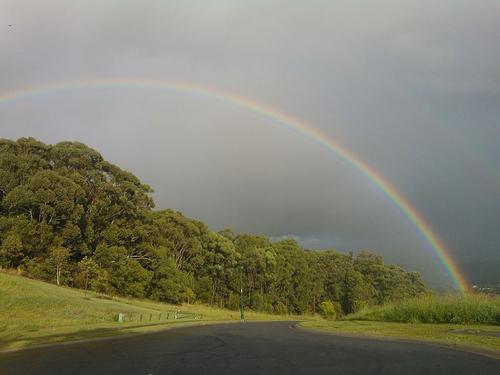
<point x="402" y="204"/>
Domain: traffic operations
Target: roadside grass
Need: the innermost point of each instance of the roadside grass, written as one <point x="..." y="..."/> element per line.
<point x="480" y="337"/>
<point x="435" y="308"/>
<point x="458" y="320"/>
<point x="34" y="313"/>
<point x="38" y="313"/>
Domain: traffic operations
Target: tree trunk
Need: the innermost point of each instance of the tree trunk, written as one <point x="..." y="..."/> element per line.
<point x="58" y="275"/>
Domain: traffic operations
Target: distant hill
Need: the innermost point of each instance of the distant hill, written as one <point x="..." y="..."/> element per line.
<point x="483" y="273"/>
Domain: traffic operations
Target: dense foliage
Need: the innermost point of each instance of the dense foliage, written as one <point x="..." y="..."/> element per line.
<point x="70" y="217"/>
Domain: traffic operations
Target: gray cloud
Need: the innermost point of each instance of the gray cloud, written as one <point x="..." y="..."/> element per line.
<point x="413" y="88"/>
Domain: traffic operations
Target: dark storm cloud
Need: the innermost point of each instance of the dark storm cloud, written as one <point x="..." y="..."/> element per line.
<point x="412" y="87"/>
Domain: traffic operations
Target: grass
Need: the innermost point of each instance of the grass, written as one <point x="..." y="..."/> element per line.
<point x="34" y="312"/>
<point x="455" y="335"/>
<point x="453" y="309"/>
<point x="471" y="321"/>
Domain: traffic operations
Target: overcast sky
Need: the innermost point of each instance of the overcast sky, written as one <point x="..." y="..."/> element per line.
<point x="412" y="87"/>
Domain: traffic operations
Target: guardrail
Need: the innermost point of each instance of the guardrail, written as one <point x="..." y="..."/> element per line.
<point x="156" y="316"/>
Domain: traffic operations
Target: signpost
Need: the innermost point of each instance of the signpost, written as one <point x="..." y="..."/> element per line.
<point x="242" y="309"/>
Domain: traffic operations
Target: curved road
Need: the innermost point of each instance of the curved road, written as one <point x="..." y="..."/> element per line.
<point x="250" y="348"/>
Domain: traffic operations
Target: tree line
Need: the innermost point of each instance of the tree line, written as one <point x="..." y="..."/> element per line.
<point x="70" y="217"/>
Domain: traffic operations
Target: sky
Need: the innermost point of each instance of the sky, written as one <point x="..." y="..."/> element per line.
<point x="410" y="87"/>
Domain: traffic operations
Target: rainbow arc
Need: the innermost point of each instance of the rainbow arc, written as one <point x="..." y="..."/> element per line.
<point x="402" y="204"/>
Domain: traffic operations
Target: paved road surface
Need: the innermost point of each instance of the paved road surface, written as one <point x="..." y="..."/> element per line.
<point x="251" y="348"/>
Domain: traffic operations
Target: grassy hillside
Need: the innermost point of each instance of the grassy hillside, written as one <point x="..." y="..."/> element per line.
<point x="33" y="312"/>
<point x="455" y="309"/>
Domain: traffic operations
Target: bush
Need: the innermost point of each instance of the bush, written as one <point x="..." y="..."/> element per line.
<point x="330" y="310"/>
<point x="455" y="309"/>
<point x="280" y="308"/>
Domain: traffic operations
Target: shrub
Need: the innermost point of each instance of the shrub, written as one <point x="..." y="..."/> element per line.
<point x="329" y="310"/>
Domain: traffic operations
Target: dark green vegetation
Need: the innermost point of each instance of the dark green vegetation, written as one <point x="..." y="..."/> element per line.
<point x="69" y="217"/>
<point x="470" y="309"/>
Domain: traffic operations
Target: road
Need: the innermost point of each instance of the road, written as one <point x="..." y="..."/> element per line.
<point x="248" y="348"/>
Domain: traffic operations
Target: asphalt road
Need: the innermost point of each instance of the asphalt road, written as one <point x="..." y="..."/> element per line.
<point x="249" y="348"/>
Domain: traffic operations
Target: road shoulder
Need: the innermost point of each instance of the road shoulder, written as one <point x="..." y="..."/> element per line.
<point x="484" y="351"/>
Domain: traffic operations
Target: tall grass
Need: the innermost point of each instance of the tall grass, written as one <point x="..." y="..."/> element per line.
<point x="456" y="309"/>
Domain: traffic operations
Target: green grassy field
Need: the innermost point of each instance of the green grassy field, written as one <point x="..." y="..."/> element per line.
<point x="33" y="313"/>
<point x="453" y="309"/>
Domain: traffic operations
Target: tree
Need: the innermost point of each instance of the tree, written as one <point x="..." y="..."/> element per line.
<point x="220" y="261"/>
<point x="181" y="236"/>
<point x="59" y="256"/>
<point x="356" y="292"/>
<point x="126" y="275"/>
<point x="169" y="284"/>
<point x="70" y="217"/>
<point x="11" y="250"/>
<point x="88" y="270"/>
